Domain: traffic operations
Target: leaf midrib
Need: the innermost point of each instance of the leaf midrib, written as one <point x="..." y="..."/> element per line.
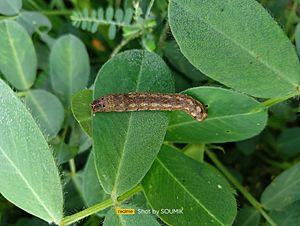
<point x="121" y="162"/>
<point x="18" y="63"/>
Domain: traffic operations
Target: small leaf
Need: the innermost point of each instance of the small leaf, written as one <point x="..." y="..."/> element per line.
<point x="28" y="171"/>
<point x="10" y="7"/>
<point x="100" y="14"/>
<point x="119" y="15"/>
<point x="34" y="22"/>
<point x="247" y="216"/>
<point x="178" y="61"/>
<point x="289" y="142"/>
<point x="18" y="60"/>
<point x="127" y="143"/>
<point x="112" y="30"/>
<point x="92" y="194"/>
<point x="81" y="108"/>
<point x="133" y="220"/>
<point x="232" y="116"/>
<point x="109" y="13"/>
<point x="47" y="111"/>
<point x="242" y="54"/>
<point x="179" y="182"/>
<point x="128" y="16"/>
<point x="284" y="190"/>
<point x="64" y="152"/>
<point x="69" y="67"/>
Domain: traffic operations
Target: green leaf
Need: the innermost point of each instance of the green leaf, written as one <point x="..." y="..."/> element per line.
<point x="69" y="67"/>
<point x="126" y="144"/>
<point x="178" y="61"/>
<point x="109" y="13"/>
<point x="81" y="108"/>
<point x="18" y="61"/>
<point x="289" y="142"/>
<point x="64" y="152"/>
<point x="112" y="30"/>
<point x="284" y="190"/>
<point x="289" y="216"/>
<point x="232" y="116"/>
<point x="129" y="220"/>
<point x="242" y="54"/>
<point x="34" y="22"/>
<point x="28" y="171"/>
<point x="92" y="194"/>
<point x="247" y="216"/>
<point x="10" y="7"/>
<point x="179" y="182"/>
<point x="47" y="111"/>
<point x="119" y="15"/>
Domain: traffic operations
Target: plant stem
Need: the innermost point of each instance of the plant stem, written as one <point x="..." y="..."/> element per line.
<point x="149" y="9"/>
<point x="72" y="167"/>
<point x="278" y="165"/>
<point x="274" y="101"/>
<point x="123" y="43"/>
<point x="98" y="207"/>
<point x="257" y="205"/>
<point x="57" y="12"/>
<point x="290" y="21"/>
<point x="163" y="35"/>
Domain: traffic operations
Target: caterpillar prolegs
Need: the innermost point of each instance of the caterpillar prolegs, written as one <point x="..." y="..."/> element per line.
<point x="150" y="102"/>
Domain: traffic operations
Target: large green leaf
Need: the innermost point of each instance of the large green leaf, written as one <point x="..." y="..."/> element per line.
<point x="284" y="190"/>
<point x="81" y="108"/>
<point x="69" y="67"/>
<point x="28" y="174"/>
<point x="176" y="181"/>
<point x="18" y="60"/>
<point x="129" y="220"/>
<point x="232" y="116"/>
<point x="224" y="39"/>
<point x="10" y="7"/>
<point x="47" y="110"/>
<point x="126" y="144"/>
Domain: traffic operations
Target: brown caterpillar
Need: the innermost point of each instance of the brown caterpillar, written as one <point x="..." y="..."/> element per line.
<point x="150" y="102"/>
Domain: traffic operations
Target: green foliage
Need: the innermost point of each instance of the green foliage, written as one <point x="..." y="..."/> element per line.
<point x="232" y="116"/>
<point x="47" y="111"/>
<point x="10" y="7"/>
<point x="246" y="58"/>
<point x="203" y="194"/>
<point x="69" y="67"/>
<point x="17" y="56"/>
<point x="283" y="190"/>
<point x="30" y="176"/>
<point x="229" y="55"/>
<point x="81" y="102"/>
<point x="130" y="136"/>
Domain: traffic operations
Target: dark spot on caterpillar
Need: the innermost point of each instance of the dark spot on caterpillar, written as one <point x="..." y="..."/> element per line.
<point x="150" y="102"/>
<point x="206" y="105"/>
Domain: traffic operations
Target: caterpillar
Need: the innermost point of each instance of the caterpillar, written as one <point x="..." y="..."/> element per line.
<point x="150" y="102"/>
